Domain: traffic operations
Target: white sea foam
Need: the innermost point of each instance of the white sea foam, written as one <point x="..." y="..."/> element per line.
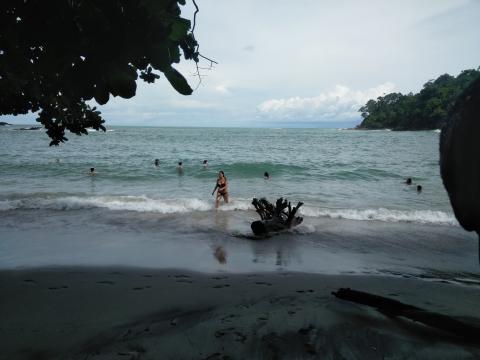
<point x="237" y="204"/>
<point x="172" y="206"/>
<point x="382" y="214"/>
<point x="132" y="203"/>
<point x="304" y="229"/>
<point x="129" y="203"/>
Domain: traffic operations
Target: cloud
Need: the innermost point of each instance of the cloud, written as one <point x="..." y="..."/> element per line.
<point x="339" y="104"/>
<point x="190" y="104"/>
<point x="222" y="89"/>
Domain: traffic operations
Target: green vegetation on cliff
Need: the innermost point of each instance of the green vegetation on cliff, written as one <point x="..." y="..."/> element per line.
<point x="426" y="110"/>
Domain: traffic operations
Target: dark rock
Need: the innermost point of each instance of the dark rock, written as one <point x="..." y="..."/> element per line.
<point x="460" y="157"/>
<point x="30" y="128"/>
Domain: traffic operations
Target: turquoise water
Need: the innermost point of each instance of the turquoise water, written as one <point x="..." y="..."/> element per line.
<point x="347" y="174"/>
<point x="359" y="216"/>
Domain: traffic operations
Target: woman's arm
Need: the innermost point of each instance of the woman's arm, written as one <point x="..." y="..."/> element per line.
<point x="215" y="188"/>
<point x="224" y="187"/>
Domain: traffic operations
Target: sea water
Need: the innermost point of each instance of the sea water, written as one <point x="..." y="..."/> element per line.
<point x="358" y="213"/>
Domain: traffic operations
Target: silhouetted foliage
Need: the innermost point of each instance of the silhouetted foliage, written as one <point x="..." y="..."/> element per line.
<point x="426" y="110"/>
<point x="55" y="55"/>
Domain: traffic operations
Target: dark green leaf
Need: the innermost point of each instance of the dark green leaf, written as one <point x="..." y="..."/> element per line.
<point x="178" y="81"/>
<point x="179" y="29"/>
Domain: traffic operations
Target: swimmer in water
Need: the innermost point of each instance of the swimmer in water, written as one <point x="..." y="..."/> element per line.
<point x="408" y="181"/>
<point x="205" y="163"/>
<point x="157" y="162"/>
<point x="419" y="189"/>
<point x="92" y="172"/>
<point x="180" y="167"/>
<point x="222" y="189"/>
<point x="266" y="175"/>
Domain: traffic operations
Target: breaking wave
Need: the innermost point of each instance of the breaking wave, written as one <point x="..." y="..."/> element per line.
<point x="382" y="214"/>
<point x="129" y="203"/>
<point x="172" y="206"/>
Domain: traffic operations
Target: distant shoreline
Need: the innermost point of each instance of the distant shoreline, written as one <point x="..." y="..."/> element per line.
<point x="236" y="128"/>
<point x="391" y="129"/>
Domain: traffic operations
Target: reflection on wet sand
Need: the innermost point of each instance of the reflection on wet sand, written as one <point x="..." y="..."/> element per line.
<point x="221" y="221"/>
<point x="281" y="260"/>
<point x="220" y="254"/>
<point x="278" y="249"/>
<point x="283" y="247"/>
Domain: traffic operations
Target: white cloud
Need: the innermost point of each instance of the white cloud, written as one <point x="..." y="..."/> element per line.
<point x="183" y="103"/>
<point x="156" y="114"/>
<point x="222" y="89"/>
<point x="341" y="103"/>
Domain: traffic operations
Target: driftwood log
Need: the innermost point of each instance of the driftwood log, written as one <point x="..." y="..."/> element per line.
<point x="394" y="308"/>
<point x="278" y="217"/>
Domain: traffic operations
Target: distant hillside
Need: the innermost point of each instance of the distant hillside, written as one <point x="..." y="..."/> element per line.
<point x="426" y="110"/>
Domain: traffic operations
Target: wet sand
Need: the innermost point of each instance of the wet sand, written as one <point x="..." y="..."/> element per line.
<point x="132" y="313"/>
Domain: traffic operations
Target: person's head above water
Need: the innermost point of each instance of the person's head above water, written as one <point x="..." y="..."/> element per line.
<point x="180" y="168"/>
<point x="419" y="188"/>
<point x="408" y="181"/>
<point x="205" y="162"/>
<point x="266" y="175"/>
<point x="157" y="162"/>
<point x="92" y="170"/>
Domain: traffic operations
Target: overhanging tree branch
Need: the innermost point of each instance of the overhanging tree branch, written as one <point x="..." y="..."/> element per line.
<point x="87" y="50"/>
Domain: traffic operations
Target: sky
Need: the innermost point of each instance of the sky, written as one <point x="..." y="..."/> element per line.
<point x="305" y="63"/>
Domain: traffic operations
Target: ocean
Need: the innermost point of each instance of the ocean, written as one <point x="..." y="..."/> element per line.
<point x="359" y="216"/>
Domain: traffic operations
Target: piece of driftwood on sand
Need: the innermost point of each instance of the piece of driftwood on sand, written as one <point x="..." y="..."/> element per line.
<point x="278" y="217"/>
<point x="395" y="308"/>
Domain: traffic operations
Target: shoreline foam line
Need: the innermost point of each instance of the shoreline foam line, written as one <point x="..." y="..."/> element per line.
<point x="184" y="205"/>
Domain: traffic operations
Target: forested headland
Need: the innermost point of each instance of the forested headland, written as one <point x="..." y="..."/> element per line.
<point x="426" y="110"/>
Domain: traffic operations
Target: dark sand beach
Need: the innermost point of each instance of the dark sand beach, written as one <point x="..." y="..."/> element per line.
<point x="133" y="313"/>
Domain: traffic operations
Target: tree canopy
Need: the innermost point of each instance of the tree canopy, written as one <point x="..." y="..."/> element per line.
<point x="426" y="110"/>
<point x="56" y="55"/>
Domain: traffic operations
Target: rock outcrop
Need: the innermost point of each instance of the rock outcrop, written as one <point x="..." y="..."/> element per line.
<point x="460" y="157"/>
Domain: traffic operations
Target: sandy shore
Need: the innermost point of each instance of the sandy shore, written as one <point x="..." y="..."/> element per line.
<point x="125" y="313"/>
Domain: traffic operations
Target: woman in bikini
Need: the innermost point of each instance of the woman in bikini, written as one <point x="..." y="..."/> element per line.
<point x="222" y="188"/>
